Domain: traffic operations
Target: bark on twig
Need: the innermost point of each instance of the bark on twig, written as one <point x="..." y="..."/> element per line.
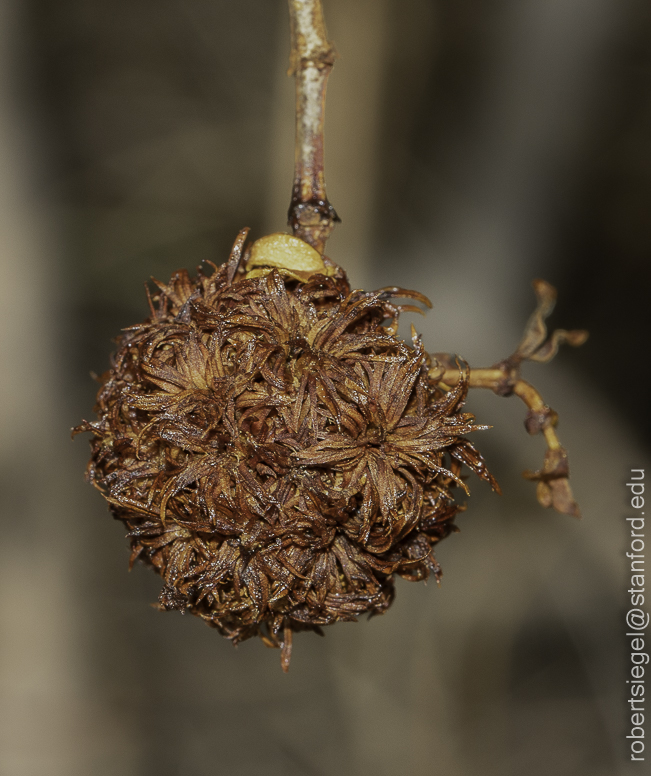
<point x="310" y="215"/>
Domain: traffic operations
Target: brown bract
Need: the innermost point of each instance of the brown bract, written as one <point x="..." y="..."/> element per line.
<point x="276" y="452"/>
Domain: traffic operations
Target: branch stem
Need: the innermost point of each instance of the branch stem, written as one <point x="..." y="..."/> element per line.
<point x="310" y="215"/>
<point x="504" y="380"/>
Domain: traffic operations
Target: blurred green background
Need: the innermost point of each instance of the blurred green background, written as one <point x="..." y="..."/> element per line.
<point x="470" y="148"/>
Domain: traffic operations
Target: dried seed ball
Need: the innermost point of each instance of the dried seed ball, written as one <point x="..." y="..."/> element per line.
<point x="275" y="451"/>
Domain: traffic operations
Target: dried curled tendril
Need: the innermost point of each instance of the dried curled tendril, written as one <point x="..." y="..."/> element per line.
<point x="278" y="454"/>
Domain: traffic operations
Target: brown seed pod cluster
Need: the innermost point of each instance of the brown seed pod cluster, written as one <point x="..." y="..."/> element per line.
<point x="276" y="452"/>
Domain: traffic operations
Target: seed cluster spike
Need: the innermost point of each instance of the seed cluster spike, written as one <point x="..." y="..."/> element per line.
<point x="276" y="452"/>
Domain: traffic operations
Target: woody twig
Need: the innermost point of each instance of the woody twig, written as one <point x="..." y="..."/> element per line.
<point x="310" y="215"/>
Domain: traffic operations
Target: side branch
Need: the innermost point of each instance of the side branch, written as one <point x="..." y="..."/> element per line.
<point x="553" y="484"/>
<point x="504" y="380"/>
<point x="310" y="215"/>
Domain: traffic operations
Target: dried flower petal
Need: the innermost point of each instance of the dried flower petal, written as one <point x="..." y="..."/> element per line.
<point x="553" y="488"/>
<point x="534" y="345"/>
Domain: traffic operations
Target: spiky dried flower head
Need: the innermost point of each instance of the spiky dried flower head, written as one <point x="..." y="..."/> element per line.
<point x="276" y="452"/>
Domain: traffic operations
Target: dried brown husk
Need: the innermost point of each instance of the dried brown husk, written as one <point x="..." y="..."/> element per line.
<point x="276" y="452"/>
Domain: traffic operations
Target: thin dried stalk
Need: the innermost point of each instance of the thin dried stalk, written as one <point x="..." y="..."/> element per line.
<point x="310" y="215"/>
<point x="504" y="379"/>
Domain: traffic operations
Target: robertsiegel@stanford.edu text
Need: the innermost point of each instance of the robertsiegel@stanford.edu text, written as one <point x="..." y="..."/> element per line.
<point x="636" y="619"/>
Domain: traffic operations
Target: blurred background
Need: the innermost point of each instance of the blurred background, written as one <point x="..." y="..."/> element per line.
<point x="471" y="147"/>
